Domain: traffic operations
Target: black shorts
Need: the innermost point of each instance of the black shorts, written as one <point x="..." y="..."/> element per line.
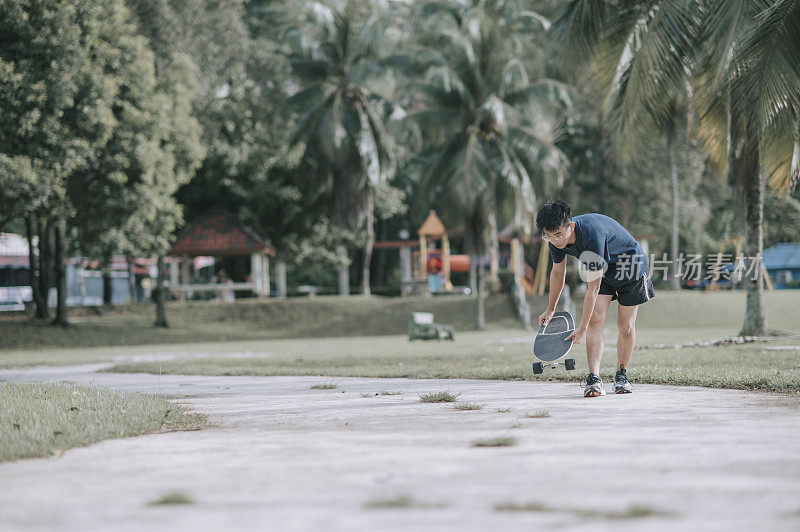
<point x="630" y="294"/>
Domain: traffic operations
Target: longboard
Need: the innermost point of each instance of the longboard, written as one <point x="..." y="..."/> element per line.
<point x="551" y="345"/>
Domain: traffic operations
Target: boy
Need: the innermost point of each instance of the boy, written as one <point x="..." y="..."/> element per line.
<point x="614" y="266"/>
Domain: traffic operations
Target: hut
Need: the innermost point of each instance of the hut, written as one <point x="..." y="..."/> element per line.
<point x="217" y="233"/>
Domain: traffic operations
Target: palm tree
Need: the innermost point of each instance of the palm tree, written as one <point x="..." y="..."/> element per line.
<point x="626" y="61"/>
<point x="345" y="96"/>
<point x="741" y="58"/>
<point x="489" y="119"/>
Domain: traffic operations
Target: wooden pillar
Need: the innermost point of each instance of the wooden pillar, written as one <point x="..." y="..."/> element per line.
<point x="186" y="276"/>
<point x="515" y="263"/>
<point x="174" y="280"/>
<point x="494" y="259"/>
<point x="406" y="271"/>
<point x="423" y="256"/>
<point x="446" y="261"/>
<point x="265" y="275"/>
<point x="255" y="272"/>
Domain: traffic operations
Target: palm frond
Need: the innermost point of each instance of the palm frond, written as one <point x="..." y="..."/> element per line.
<point x="367" y="149"/>
<point x="308" y="122"/>
<point x="578" y="28"/>
<point x="313" y="70"/>
<point x="766" y="65"/>
<point x="549" y="91"/>
<point x="311" y="96"/>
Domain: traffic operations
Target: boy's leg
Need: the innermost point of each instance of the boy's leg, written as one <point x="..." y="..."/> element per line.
<point x="594" y="333"/>
<point x="626" y="323"/>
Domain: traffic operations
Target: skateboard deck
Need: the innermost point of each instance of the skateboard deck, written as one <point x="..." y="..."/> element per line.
<point x="550" y="344"/>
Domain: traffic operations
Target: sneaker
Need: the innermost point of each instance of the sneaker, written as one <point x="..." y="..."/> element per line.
<point x="594" y="386"/>
<point x="621" y="384"/>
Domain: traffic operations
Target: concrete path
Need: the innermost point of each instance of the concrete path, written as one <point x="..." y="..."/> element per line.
<point x="284" y="457"/>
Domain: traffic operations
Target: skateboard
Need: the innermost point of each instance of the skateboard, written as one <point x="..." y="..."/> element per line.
<point x="550" y="345"/>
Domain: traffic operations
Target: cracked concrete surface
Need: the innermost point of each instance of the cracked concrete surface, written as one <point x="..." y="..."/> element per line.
<point x="285" y="457"/>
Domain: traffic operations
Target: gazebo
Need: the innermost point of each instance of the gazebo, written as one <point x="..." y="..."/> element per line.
<point x="218" y="233"/>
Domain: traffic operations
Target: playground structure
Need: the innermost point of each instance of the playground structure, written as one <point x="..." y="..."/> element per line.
<point x="427" y="262"/>
<point x="435" y="268"/>
<point x="215" y="234"/>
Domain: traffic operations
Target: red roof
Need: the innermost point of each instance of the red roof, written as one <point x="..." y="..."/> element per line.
<point x="218" y="233"/>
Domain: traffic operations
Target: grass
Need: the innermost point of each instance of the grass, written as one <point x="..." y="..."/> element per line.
<point x="537" y="414"/>
<point x="171" y="498"/>
<point x="252" y="320"/>
<point x="400" y="502"/>
<point x="324" y="386"/>
<point x="496" y="353"/>
<point x="467" y="406"/>
<point x="41" y="419"/>
<point x="439" y="397"/>
<point x="503" y="410"/>
<point x="523" y="507"/>
<point x="634" y="511"/>
<point x="380" y="392"/>
<point x="735" y="366"/>
<point x="244" y="320"/>
<point x="501" y="441"/>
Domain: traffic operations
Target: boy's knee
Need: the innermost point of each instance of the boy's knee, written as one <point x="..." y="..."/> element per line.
<point x="597" y="320"/>
<point x="626" y="328"/>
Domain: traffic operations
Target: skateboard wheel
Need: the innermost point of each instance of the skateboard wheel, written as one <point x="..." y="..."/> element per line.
<point x="538" y="368"/>
<point x="569" y="364"/>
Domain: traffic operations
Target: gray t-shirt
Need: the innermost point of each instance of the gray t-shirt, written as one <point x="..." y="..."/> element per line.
<point x="602" y="241"/>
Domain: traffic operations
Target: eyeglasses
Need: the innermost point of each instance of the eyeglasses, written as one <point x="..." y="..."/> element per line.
<point x="554" y="238"/>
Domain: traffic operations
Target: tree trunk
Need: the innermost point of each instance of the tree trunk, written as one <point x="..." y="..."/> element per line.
<point x="381" y="272"/>
<point x="107" y="282"/>
<point x="44" y="267"/>
<point x="753" y="184"/>
<point x="131" y="279"/>
<point x="344" y="270"/>
<point x="601" y="175"/>
<point x="469" y="244"/>
<point x="480" y="303"/>
<point x="368" y="245"/>
<point x="349" y="211"/>
<point x="280" y="274"/>
<point x="161" y="313"/>
<point x="673" y="177"/>
<point x="494" y="249"/>
<point x="61" y="278"/>
<point x="33" y="278"/>
<point x="480" y="307"/>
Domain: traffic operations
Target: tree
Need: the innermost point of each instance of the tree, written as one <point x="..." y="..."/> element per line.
<point x="346" y="96"/>
<point x="742" y="58"/>
<point x="242" y="106"/>
<point x="489" y="117"/>
<point x="58" y="109"/>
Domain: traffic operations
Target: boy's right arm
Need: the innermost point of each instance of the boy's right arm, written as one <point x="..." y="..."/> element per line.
<point x="557" y="277"/>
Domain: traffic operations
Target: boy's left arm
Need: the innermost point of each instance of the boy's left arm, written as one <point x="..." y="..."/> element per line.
<point x="588" y="307"/>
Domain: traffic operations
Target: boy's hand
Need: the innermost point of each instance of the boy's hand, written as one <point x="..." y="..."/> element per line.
<point x="577" y="335"/>
<point x="545" y="316"/>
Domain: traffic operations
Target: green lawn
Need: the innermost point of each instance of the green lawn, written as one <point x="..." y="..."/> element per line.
<point x="487" y="357"/>
<point x="246" y="319"/>
<point x="719" y="313"/>
<point x="500" y="352"/>
<point x="40" y="419"/>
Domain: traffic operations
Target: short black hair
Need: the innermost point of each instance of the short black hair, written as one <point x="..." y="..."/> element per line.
<point x="553" y="216"/>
